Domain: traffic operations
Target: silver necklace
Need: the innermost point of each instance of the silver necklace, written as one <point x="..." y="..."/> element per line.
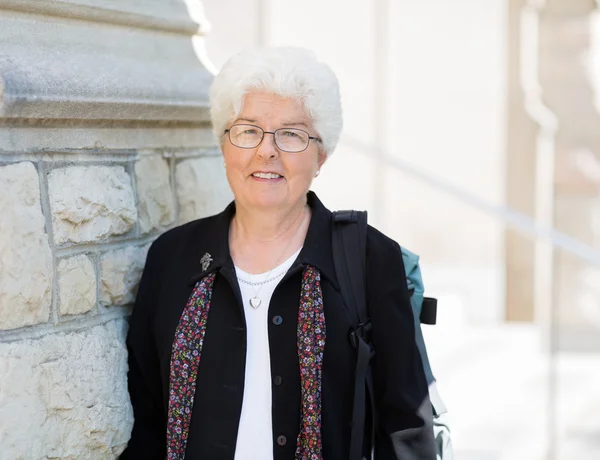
<point x="255" y="301"/>
<point x="258" y="283"/>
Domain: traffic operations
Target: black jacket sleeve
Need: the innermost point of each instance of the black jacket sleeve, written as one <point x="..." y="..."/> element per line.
<point x="405" y="416"/>
<point x="148" y="438"/>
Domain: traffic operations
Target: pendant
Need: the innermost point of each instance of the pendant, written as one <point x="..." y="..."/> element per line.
<point x="255" y="302"/>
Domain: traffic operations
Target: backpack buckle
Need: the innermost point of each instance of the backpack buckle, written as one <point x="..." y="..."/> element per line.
<point x="362" y="332"/>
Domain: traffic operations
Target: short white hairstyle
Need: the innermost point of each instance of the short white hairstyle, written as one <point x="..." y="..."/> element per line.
<point x="288" y="72"/>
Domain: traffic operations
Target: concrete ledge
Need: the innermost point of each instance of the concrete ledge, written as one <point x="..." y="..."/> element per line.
<point x="58" y="68"/>
<point x="168" y="16"/>
<point x="96" y="140"/>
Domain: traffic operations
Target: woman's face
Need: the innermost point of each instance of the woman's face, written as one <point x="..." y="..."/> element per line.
<point x="294" y="171"/>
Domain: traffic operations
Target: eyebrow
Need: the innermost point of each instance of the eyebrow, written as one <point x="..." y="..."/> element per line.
<point x="285" y="123"/>
<point x="294" y="123"/>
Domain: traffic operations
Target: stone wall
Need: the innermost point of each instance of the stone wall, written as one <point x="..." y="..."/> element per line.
<point x="104" y="144"/>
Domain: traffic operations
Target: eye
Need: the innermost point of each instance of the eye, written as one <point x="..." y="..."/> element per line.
<point x="249" y="131"/>
<point x="289" y="133"/>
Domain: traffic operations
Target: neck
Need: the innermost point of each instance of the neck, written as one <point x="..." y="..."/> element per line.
<point x="268" y="226"/>
<point x="261" y="240"/>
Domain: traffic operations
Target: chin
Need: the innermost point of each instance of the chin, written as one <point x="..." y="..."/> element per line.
<point x="267" y="201"/>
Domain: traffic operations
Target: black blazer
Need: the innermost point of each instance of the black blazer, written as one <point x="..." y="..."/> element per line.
<point x="173" y="266"/>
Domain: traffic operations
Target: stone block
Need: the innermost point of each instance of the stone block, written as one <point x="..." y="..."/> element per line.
<point x="77" y="285"/>
<point x="155" y="198"/>
<point x="65" y="395"/>
<point x="202" y="188"/>
<point x="91" y="203"/>
<point x="120" y="273"/>
<point x="25" y="256"/>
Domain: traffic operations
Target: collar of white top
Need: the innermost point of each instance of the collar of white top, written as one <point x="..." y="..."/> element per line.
<point x="273" y="274"/>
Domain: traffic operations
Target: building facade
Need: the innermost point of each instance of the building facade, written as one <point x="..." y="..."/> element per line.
<point x="105" y="143"/>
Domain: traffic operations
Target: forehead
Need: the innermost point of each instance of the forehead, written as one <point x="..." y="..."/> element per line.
<point x="260" y="107"/>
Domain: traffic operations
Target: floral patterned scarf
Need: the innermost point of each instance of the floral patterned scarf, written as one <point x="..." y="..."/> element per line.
<point x="187" y="352"/>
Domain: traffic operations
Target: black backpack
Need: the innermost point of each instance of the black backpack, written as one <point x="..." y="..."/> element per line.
<point x="349" y="239"/>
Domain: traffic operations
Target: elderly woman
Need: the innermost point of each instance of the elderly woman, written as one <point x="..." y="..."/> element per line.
<point x="239" y="340"/>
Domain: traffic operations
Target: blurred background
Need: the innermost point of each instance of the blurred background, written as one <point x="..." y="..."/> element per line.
<point x="472" y="137"/>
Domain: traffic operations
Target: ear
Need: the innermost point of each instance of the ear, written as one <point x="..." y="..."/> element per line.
<point x="321" y="159"/>
<point x="223" y="158"/>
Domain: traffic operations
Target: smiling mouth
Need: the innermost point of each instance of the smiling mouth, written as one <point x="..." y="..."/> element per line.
<point x="270" y="176"/>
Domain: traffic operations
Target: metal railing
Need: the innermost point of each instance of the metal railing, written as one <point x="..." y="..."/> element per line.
<point x="510" y="217"/>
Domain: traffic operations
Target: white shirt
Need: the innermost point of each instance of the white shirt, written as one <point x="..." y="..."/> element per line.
<point x="255" y="432"/>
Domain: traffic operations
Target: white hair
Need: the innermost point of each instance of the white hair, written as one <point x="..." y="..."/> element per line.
<point x="287" y="72"/>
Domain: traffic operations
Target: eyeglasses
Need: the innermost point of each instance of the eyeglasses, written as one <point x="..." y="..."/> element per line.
<point x="289" y="140"/>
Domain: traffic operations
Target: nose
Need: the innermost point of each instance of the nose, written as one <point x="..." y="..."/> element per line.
<point x="267" y="149"/>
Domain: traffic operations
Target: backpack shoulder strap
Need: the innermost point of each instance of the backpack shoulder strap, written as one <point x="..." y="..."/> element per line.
<point x="349" y="239"/>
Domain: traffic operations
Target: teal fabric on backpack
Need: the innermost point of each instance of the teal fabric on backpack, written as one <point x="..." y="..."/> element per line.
<point x="415" y="286"/>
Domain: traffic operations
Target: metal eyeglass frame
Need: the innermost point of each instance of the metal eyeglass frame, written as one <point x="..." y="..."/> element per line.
<point x="228" y="131"/>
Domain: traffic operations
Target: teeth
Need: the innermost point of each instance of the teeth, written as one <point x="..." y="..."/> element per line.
<point x="267" y="175"/>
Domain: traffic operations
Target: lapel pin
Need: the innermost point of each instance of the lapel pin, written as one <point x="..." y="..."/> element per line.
<point x="205" y="261"/>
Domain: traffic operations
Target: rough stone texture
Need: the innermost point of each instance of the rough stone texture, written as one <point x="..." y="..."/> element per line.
<point x="77" y="285"/>
<point x="202" y="188"/>
<point x="65" y="395"/>
<point x="91" y="203"/>
<point x="83" y="104"/>
<point x="25" y="257"/>
<point x="120" y="275"/>
<point x="156" y="207"/>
